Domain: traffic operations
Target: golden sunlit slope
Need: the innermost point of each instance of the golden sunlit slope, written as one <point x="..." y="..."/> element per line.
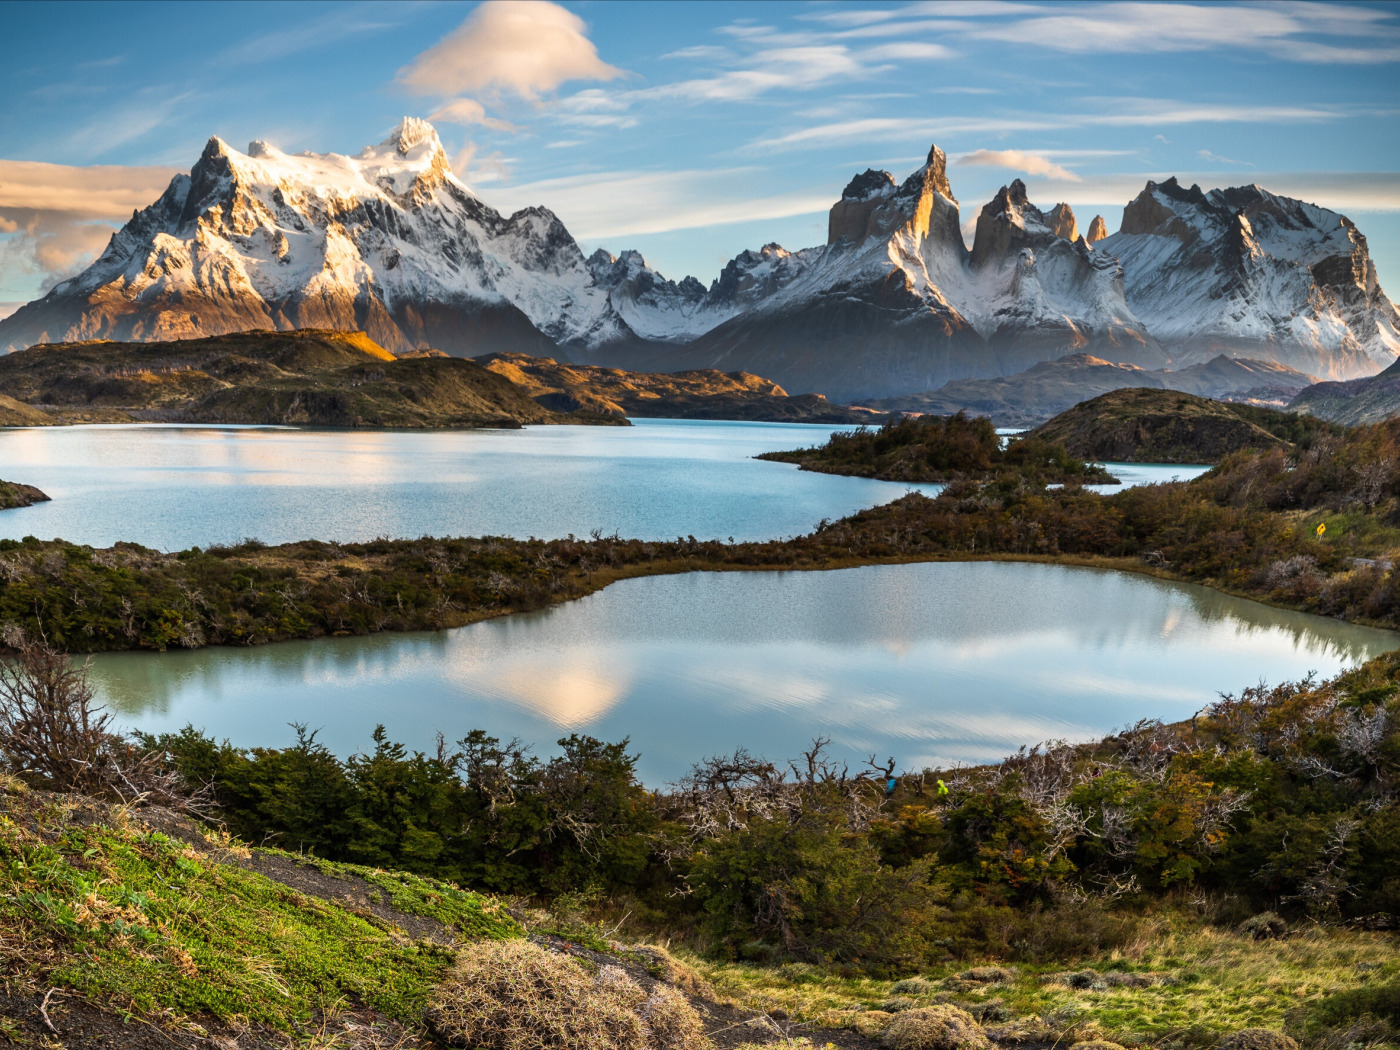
<point x="698" y="394"/>
<point x="309" y="377"/>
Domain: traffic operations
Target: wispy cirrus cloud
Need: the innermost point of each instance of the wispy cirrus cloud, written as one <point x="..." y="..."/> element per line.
<point x="1216" y="158"/>
<point x="1017" y="160"/>
<point x="1285" y="30"/>
<point x="1125" y="113"/>
<point x="1293" y="30"/>
<point x="623" y="204"/>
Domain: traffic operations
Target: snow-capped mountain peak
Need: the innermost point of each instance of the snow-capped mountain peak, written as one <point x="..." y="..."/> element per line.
<point x="388" y="240"/>
<point x="1246" y="270"/>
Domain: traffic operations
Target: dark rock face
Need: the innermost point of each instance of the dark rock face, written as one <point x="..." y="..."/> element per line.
<point x="870" y="183"/>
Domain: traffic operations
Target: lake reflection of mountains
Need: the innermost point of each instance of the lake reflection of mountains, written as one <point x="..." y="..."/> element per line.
<point x="932" y="661"/>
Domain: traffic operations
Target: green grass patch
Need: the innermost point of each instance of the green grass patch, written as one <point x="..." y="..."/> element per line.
<point x="1208" y="980"/>
<point x="473" y="915"/>
<point x="133" y="918"/>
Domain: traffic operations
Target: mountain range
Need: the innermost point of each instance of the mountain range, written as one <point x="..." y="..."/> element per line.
<point x="390" y="242"/>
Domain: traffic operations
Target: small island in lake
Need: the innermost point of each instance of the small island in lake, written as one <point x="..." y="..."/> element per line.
<point x="14" y="495"/>
<point x="941" y="449"/>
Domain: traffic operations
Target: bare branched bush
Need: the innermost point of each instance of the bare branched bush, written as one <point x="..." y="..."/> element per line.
<point x="50" y="724"/>
<point x="53" y="730"/>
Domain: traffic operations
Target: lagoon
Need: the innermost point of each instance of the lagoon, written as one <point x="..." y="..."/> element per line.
<point x="932" y="663"/>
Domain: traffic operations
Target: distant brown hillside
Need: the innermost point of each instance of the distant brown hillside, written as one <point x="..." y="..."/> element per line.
<point x="698" y="394"/>
<point x="1148" y="425"/>
<point x="309" y="377"/>
<point x="1050" y="387"/>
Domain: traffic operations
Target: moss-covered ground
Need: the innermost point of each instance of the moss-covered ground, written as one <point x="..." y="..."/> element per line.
<point x="1186" y="983"/>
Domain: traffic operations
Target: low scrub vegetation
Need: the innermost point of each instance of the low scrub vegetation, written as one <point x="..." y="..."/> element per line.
<point x="936" y="449"/>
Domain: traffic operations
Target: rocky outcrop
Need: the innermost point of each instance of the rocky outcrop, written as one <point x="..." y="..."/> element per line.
<point x="1098" y="230"/>
<point x="851" y="217"/>
<point x="1060" y="219"/>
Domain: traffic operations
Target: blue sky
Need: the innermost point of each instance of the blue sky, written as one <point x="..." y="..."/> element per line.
<point x="694" y="130"/>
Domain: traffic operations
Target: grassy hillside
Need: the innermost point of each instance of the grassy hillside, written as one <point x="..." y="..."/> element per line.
<point x="1146" y="425"/>
<point x="311" y="377"/>
<point x="936" y="449"/>
<point x="700" y="394"/>
<point x="17" y="414"/>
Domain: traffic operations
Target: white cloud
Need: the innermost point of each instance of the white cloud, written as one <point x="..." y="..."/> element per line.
<point x="794" y="62"/>
<point x="700" y="51"/>
<point x="527" y="47"/>
<point x="476" y="171"/>
<point x="468" y="111"/>
<point x="909" y="49"/>
<point x="1016" y="160"/>
<point x="104" y="191"/>
<point x="59" y="217"/>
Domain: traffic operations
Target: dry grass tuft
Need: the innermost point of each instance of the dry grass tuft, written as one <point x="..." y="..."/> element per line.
<point x="672" y="1021"/>
<point x="1258" y="1039"/>
<point x="935" y="1028"/>
<point x="672" y="970"/>
<point x="1097" y="1044"/>
<point x="516" y="995"/>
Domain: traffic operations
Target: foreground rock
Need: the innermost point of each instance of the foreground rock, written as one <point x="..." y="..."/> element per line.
<point x="703" y="394"/>
<point x="308" y="377"/>
<point x="1031" y="397"/>
<point x="1163" y="426"/>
